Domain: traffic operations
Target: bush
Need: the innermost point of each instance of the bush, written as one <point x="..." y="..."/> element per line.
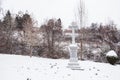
<point x="112" y="59"/>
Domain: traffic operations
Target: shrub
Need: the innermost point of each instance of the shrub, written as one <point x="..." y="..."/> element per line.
<point x="112" y="59"/>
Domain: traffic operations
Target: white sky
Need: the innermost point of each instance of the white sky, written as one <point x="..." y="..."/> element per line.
<point x="97" y="10"/>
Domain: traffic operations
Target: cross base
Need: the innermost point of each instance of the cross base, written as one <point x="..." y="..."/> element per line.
<point x="74" y="66"/>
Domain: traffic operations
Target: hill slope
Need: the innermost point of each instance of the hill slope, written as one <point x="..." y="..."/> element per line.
<point x="16" y="67"/>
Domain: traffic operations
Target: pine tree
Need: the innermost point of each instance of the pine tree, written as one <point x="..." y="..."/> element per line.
<point x="8" y="30"/>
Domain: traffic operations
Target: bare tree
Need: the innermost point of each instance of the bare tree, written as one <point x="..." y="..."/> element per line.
<point x="25" y="28"/>
<point x="1" y="10"/>
<point x="28" y="32"/>
<point x="81" y="22"/>
<point x="6" y="33"/>
<point x="0" y="4"/>
<point x="52" y="32"/>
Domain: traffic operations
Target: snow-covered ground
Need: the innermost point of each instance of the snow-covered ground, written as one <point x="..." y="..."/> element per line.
<point x="17" y="67"/>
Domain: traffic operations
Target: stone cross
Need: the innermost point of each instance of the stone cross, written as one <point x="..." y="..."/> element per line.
<point x="73" y="63"/>
<point x="73" y="47"/>
<point x="73" y="27"/>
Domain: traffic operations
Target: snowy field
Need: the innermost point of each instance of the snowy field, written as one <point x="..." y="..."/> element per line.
<point x="16" y="67"/>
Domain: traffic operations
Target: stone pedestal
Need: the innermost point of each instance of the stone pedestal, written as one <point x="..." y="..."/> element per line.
<point x="73" y="62"/>
<point x="73" y="52"/>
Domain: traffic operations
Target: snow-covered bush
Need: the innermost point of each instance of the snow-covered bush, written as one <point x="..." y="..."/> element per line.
<point x="112" y="57"/>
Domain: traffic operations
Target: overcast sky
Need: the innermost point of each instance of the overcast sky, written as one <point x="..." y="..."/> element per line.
<point x="97" y="10"/>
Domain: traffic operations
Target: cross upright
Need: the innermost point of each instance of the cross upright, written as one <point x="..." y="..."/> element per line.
<point x="73" y="27"/>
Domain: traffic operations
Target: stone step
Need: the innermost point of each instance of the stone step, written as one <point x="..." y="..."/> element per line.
<point x="74" y="66"/>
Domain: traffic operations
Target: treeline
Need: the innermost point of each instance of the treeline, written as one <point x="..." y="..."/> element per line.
<point x="20" y="35"/>
<point x="13" y="29"/>
<point x="100" y="39"/>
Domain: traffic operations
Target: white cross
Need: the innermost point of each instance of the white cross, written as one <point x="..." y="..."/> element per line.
<point x="73" y="27"/>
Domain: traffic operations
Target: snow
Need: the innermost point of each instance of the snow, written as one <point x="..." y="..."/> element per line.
<point x="73" y="45"/>
<point x="17" y="67"/>
<point x="112" y="53"/>
<point x="96" y="51"/>
<point x="118" y="44"/>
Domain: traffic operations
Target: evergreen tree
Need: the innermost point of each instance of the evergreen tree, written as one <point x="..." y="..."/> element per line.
<point x="8" y="31"/>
